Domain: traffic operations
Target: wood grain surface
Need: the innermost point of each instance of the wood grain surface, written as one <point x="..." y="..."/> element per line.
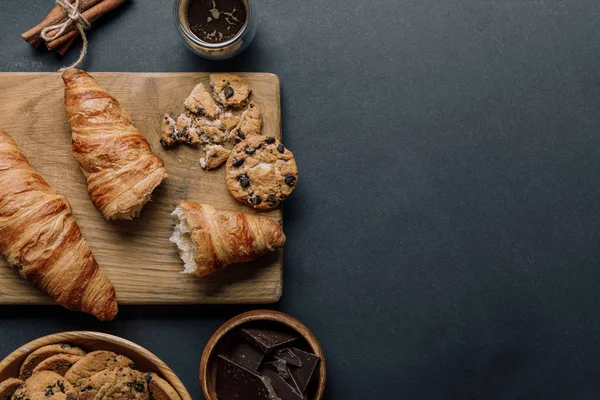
<point x="137" y="255"/>
<point x="144" y="360"/>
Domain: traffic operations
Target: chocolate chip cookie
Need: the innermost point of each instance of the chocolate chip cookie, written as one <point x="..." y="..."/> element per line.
<point x="250" y="123"/>
<point x="59" y="363"/>
<point x="95" y="362"/>
<point x="45" y="385"/>
<point x="169" y="133"/>
<point x="201" y="102"/>
<point x="261" y="172"/>
<point x="120" y="383"/>
<point x="229" y="121"/>
<point x="216" y="155"/>
<point x="188" y="131"/>
<point x="230" y="90"/>
<point x="160" y="389"/>
<point x="8" y="387"/>
<point x="45" y="352"/>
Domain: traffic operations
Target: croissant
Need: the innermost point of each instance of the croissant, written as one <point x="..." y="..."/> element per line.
<point x="116" y="159"/>
<point x="209" y="240"/>
<point x="41" y="240"/>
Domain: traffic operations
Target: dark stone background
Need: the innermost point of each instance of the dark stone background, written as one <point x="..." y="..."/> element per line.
<point x="443" y="241"/>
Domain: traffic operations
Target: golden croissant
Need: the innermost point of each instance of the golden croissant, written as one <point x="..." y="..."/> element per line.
<point x="209" y="240"/>
<point x="41" y="240"/>
<point x="116" y="159"/>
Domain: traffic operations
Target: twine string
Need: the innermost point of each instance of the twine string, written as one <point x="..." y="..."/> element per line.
<point x="74" y="16"/>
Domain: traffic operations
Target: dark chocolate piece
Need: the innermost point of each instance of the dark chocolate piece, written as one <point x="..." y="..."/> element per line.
<point x="281" y="367"/>
<point x="267" y="340"/>
<point x="247" y="355"/>
<point x="236" y="382"/>
<point x="228" y="92"/>
<point x="303" y="375"/>
<point x="289" y="357"/>
<point x="283" y="389"/>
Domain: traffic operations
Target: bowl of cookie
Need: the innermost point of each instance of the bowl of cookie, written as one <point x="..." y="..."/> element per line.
<point x="263" y="354"/>
<point x="87" y="365"/>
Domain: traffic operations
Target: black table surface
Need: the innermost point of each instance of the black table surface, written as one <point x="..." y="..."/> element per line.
<point x="443" y="241"/>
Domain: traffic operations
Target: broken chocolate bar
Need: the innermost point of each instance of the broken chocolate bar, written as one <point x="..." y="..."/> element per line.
<point x="282" y="388"/>
<point x="267" y="340"/>
<point x="236" y="382"/>
<point x="279" y="366"/>
<point x="303" y="375"/>
<point x="247" y="355"/>
<point x="288" y="356"/>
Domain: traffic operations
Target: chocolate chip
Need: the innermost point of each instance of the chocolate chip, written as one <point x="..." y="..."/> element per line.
<point x="241" y="134"/>
<point x="255" y="201"/>
<point x="49" y="392"/>
<point x="237" y="162"/>
<point x="61" y="386"/>
<point x="163" y="143"/>
<point x="139" y="386"/>
<point x="148" y="377"/>
<point x="228" y="92"/>
<point x="249" y="150"/>
<point x="132" y="366"/>
<point x="280" y="148"/>
<point x="272" y="199"/>
<point x="183" y="134"/>
<point x="244" y="180"/>
<point x="290" y="180"/>
<point x="85" y="389"/>
<point x="270" y="140"/>
<point x="65" y="346"/>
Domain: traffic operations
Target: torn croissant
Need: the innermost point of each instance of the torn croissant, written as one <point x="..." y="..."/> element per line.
<point x="209" y="240"/>
<point x="116" y="159"/>
<point x="40" y="239"/>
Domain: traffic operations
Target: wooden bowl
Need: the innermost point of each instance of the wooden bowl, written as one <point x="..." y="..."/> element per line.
<point x="208" y="364"/>
<point x="92" y="341"/>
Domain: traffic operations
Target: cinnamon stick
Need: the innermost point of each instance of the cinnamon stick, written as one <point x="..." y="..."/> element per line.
<point x="92" y="14"/>
<point x="33" y="35"/>
<point x="56" y="16"/>
<point x="62" y="50"/>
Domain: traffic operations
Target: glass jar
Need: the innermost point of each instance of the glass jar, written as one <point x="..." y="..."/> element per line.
<point x="215" y="51"/>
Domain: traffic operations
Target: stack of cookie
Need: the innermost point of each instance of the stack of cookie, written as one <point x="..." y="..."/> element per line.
<point x="65" y="372"/>
<point x="260" y="171"/>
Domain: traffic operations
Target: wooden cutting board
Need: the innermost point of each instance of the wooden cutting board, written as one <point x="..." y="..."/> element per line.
<point x="137" y="255"/>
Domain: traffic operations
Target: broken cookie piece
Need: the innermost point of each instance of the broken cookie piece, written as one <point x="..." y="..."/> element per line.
<point x="212" y="135"/>
<point x="201" y="102"/>
<point x="250" y="123"/>
<point x="188" y="131"/>
<point x="230" y="90"/>
<point x="169" y="131"/>
<point x="229" y="121"/>
<point x="216" y="155"/>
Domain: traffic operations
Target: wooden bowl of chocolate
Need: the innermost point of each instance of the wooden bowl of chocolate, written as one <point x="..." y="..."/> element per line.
<point x="87" y="365"/>
<point x="263" y="355"/>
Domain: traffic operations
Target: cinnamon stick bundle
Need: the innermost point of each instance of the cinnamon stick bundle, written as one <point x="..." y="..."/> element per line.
<point x="92" y="14"/>
<point x="90" y="10"/>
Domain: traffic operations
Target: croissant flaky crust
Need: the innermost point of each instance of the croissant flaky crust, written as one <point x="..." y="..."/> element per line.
<point x="41" y="240"/>
<point x="209" y="240"/>
<point x="117" y="160"/>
